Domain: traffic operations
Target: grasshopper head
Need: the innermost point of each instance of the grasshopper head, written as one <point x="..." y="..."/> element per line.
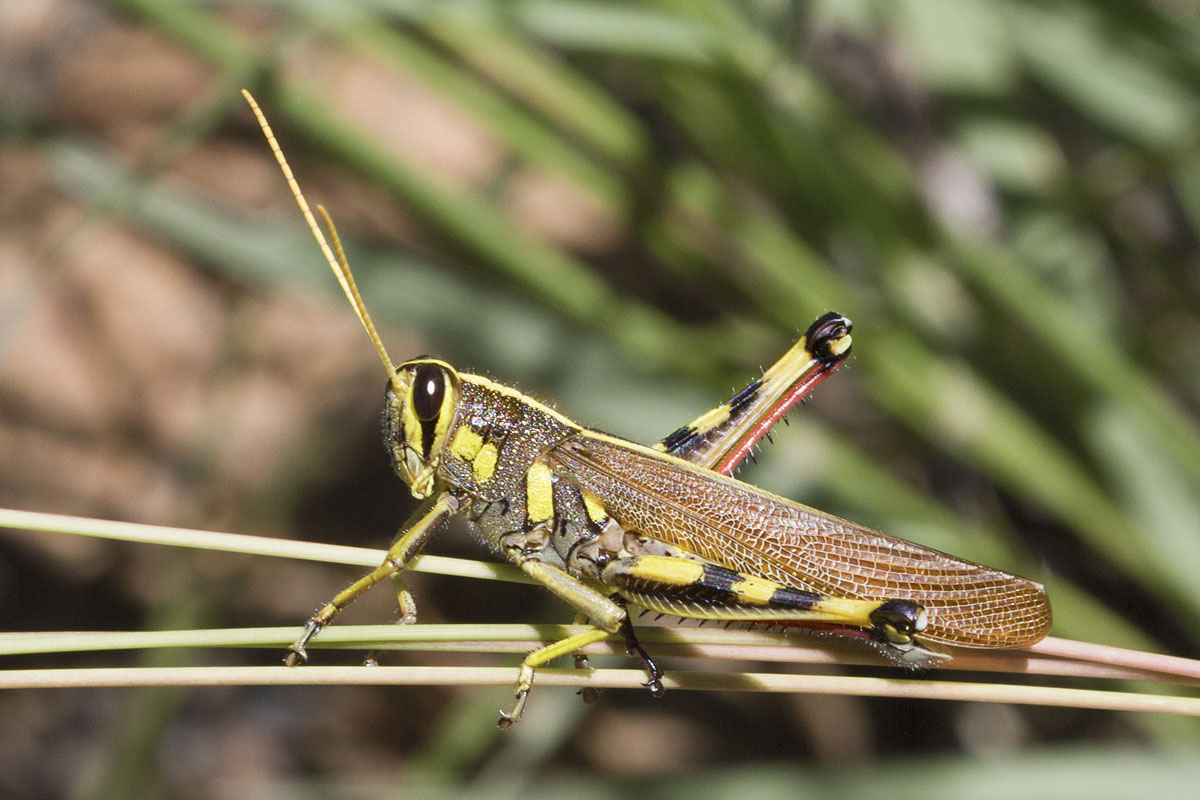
<point x="422" y="399"/>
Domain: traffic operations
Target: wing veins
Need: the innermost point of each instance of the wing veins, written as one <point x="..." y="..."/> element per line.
<point x="674" y="501"/>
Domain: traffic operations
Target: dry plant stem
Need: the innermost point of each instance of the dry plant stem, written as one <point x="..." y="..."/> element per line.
<point x="1145" y="666"/>
<point x="250" y="545"/>
<point x="1117" y="656"/>
<point x="604" y="678"/>
<point x="667" y="641"/>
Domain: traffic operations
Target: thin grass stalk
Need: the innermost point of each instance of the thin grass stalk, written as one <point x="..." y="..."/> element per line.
<point x="1052" y="657"/>
<point x="1138" y="665"/>
<point x="601" y="679"/>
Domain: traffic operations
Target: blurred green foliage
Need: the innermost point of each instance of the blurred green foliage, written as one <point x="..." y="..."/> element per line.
<point x="1004" y="195"/>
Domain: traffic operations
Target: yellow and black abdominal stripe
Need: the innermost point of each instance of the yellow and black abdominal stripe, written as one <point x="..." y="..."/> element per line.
<point x="691" y="588"/>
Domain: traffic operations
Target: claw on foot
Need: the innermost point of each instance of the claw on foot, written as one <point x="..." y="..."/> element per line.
<point x="524" y="684"/>
<point x="634" y="648"/>
<point x="296" y="655"/>
<point x="507" y="718"/>
<point x="590" y="694"/>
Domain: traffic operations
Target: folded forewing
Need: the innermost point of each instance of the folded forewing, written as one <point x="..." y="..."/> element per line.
<point x="747" y="529"/>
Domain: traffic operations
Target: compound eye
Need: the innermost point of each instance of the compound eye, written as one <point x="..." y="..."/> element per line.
<point x="428" y="391"/>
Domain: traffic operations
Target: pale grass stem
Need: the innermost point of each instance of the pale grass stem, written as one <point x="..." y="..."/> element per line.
<point x="1051" y="657"/>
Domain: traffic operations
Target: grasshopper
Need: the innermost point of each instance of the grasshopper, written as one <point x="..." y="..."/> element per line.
<point x="604" y="523"/>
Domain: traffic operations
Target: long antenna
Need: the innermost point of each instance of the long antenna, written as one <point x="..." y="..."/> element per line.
<point x="334" y="255"/>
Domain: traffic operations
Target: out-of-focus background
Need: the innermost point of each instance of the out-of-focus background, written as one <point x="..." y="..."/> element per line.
<point x="624" y="209"/>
